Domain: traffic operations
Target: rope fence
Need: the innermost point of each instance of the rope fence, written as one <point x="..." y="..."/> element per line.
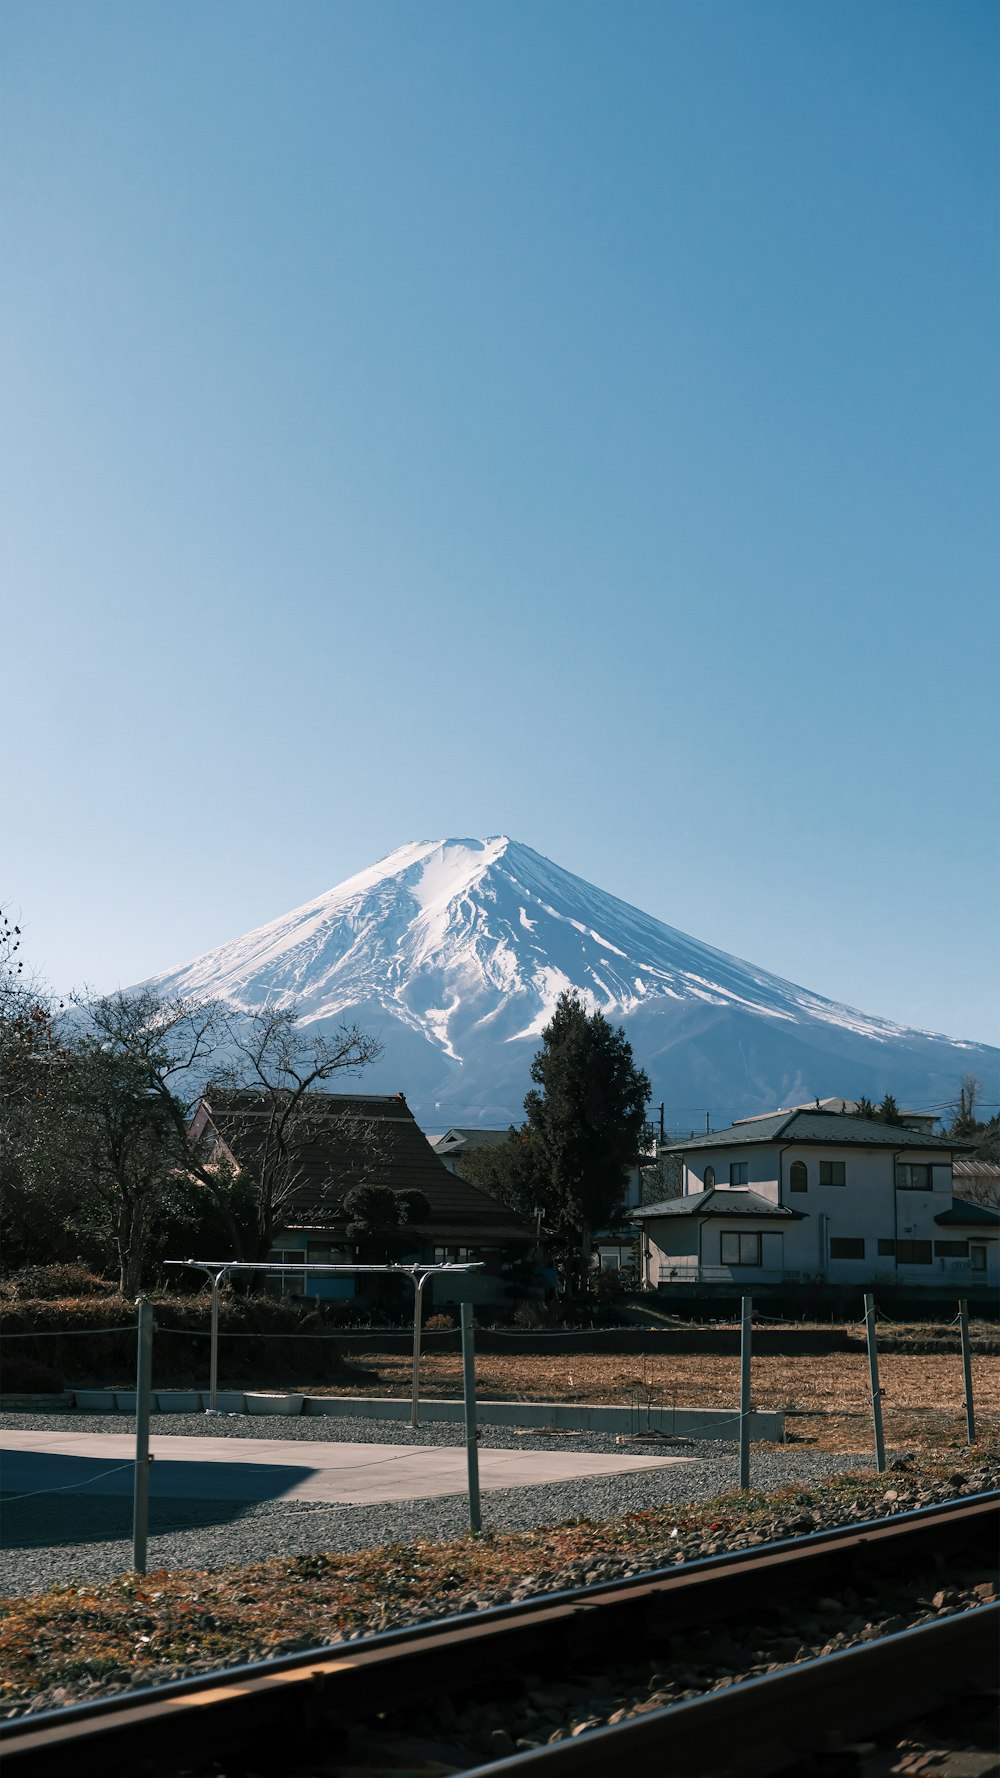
<point x="740" y="1419"/>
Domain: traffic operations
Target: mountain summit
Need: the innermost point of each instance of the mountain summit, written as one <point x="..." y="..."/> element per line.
<point x="455" y="951"/>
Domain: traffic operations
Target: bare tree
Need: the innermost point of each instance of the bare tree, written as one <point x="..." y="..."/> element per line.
<point x="35" y="1200"/>
<point x="979" y="1183"/>
<point x="278" y="1088"/>
<point x="137" y="1066"/>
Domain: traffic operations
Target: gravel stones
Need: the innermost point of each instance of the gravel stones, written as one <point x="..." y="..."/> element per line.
<point x="54" y="1538"/>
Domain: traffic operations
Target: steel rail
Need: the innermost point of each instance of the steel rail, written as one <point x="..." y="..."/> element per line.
<point x="236" y="1705"/>
<point x="758" y="1727"/>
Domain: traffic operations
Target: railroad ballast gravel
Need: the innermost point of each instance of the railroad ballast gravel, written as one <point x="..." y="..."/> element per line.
<point x="466" y="1732"/>
<point x="72" y="1646"/>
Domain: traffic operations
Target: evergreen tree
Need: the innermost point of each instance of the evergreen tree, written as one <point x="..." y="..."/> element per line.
<point x="380" y="1219"/>
<point x="965" y="1124"/>
<point x="585" y="1117"/>
<point x="511" y="1171"/>
<point x="888" y="1111"/>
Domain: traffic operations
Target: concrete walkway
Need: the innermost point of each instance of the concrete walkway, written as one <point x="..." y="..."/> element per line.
<point x="276" y="1469"/>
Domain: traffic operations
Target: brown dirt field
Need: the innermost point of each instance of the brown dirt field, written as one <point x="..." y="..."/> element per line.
<point x="922" y="1394"/>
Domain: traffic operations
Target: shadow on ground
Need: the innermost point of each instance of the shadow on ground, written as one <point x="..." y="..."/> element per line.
<point x="54" y="1498"/>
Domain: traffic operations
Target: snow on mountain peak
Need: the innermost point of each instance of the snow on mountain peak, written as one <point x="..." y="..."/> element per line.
<point x="465" y="945"/>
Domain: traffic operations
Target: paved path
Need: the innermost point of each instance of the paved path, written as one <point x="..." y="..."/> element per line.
<point x="276" y="1469"/>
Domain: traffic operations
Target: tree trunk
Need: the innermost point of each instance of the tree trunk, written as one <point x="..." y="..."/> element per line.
<point x="130" y="1250"/>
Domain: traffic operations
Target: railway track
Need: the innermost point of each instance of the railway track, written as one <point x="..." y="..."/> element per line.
<point x="416" y="1700"/>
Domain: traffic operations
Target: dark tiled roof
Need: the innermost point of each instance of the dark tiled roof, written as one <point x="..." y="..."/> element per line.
<point x="335" y="1153"/>
<point x="719" y="1203"/>
<point x="828" y="1128"/>
<point x="962" y="1213"/>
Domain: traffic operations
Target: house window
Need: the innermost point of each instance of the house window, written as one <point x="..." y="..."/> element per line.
<point x="913" y="1253"/>
<point x="798" y="1177"/>
<point x="832" y="1173"/>
<point x="977" y="1257"/>
<point x="847" y="1247"/>
<point x="951" y="1249"/>
<point x="445" y="1256"/>
<point x="709" y="1179"/>
<point x="886" y="1249"/>
<point x="739" y="1172"/>
<point x="740" y="1250"/>
<point x="285" y="1283"/>
<point x="912" y="1177"/>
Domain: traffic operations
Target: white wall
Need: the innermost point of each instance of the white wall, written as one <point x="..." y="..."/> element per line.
<point x="761" y="1165"/>
<point x="868" y="1207"/>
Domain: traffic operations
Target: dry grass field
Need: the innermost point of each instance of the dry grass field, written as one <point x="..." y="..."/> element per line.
<point x="922" y="1403"/>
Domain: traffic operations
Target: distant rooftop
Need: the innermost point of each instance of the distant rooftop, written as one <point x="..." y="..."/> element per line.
<point x="921" y="1120"/>
<point x="719" y="1203"/>
<point x="818" y="1126"/>
<point x="467" y="1137"/>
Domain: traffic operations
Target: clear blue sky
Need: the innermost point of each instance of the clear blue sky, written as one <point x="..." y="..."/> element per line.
<point x="572" y="420"/>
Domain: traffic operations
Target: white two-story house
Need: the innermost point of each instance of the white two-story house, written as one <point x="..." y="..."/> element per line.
<point x="814" y="1196"/>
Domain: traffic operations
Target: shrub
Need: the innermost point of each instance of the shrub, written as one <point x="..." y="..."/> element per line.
<point x="27" y="1376"/>
<point x="439" y="1323"/>
<point x="532" y="1314"/>
<point x="53" y="1283"/>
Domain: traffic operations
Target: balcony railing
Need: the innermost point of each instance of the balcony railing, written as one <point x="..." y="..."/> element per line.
<point x="880" y="1271"/>
<point x="682" y="1272"/>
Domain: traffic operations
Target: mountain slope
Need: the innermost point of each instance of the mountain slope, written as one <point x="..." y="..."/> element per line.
<point x="455" y="952"/>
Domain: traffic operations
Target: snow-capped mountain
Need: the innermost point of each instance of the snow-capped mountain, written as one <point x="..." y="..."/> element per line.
<point x="454" y="953"/>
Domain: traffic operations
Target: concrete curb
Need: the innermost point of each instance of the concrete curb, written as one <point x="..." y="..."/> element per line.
<point x="712" y="1423"/>
<point x="766" y="1427"/>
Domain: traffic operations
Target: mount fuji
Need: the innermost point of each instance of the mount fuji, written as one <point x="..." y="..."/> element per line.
<point x="454" y="952"/>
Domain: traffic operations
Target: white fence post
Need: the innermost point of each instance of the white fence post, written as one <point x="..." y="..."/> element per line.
<point x="418" y="1313"/>
<point x="970" y="1412"/>
<point x="143" y="1392"/>
<point x="874" y="1383"/>
<point x="213" y="1359"/>
<point x="471" y="1446"/>
<point x="746" y="1312"/>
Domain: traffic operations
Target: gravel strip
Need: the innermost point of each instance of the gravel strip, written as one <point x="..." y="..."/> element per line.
<point x="51" y="1540"/>
<point x="359" y="1431"/>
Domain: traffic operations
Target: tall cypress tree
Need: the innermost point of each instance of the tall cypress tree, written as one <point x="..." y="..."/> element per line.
<point x="585" y="1116"/>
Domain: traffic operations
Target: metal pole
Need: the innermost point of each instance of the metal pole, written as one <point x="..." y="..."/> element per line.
<point x="746" y="1312"/>
<point x="213" y="1373"/>
<point x="873" y="1378"/>
<point x="418" y="1313"/>
<point x="471" y="1447"/>
<point x="970" y="1412"/>
<point x="143" y="1392"/>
